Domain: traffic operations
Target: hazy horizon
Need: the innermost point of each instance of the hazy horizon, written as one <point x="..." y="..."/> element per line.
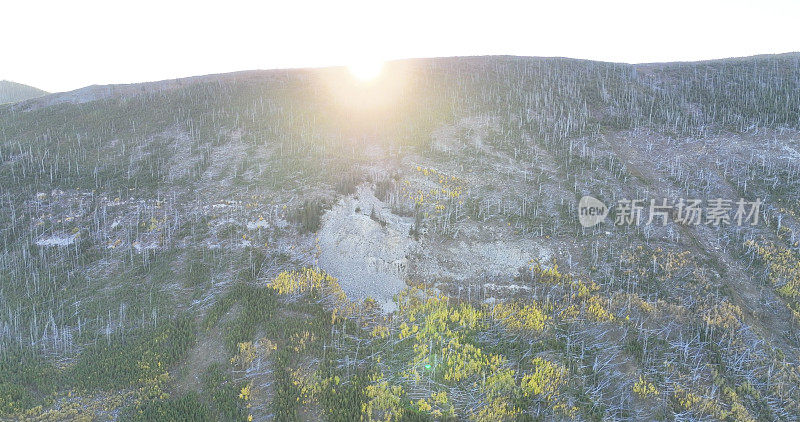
<point x="60" y="47"/>
<point x="392" y="60"/>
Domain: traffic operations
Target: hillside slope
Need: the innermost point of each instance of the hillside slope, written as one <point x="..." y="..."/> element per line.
<point x="11" y="92"/>
<point x="296" y="244"/>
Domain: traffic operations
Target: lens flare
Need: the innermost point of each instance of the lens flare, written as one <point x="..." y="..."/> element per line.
<point x="366" y="70"/>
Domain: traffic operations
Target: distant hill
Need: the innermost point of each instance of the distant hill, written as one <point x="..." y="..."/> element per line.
<point x="11" y="92"/>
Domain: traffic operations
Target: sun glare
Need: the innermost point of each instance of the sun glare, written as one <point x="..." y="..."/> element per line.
<point x="366" y="70"/>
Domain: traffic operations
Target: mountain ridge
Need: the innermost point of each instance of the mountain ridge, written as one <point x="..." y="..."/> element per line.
<point x="11" y="92"/>
<point x="96" y="91"/>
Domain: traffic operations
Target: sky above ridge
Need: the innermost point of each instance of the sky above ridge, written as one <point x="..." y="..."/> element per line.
<point x="60" y="46"/>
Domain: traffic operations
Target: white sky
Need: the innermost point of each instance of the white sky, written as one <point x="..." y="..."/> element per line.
<point x="62" y="45"/>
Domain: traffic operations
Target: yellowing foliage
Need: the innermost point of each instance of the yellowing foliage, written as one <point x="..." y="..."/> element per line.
<point x="549" y="275"/>
<point x="301" y="340"/>
<point x="436" y="323"/>
<point x="724" y="315"/>
<point x="249" y="351"/>
<point x="423" y="405"/>
<point x="784" y="271"/>
<point x="658" y="263"/>
<point x="525" y="317"/>
<point x="596" y="309"/>
<point x="315" y="279"/>
<point x="644" y="388"/>
<point x="497" y="410"/>
<point x="706" y="406"/>
<point x="445" y="195"/>
<point x="583" y="292"/>
<point x="381" y="331"/>
<point x="546" y="379"/>
<point x="465" y="360"/>
<point x="384" y="402"/>
<point x="244" y="394"/>
<point x="305" y="280"/>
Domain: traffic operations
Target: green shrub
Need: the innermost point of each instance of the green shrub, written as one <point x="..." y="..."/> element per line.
<point x="187" y="408"/>
<point x="139" y="356"/>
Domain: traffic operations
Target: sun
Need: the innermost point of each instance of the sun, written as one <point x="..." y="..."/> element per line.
<point x="366" y="70"/>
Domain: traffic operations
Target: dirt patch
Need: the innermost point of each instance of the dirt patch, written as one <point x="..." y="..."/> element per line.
<point x="365" y="246"/>
<point x="209" y="349"/>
